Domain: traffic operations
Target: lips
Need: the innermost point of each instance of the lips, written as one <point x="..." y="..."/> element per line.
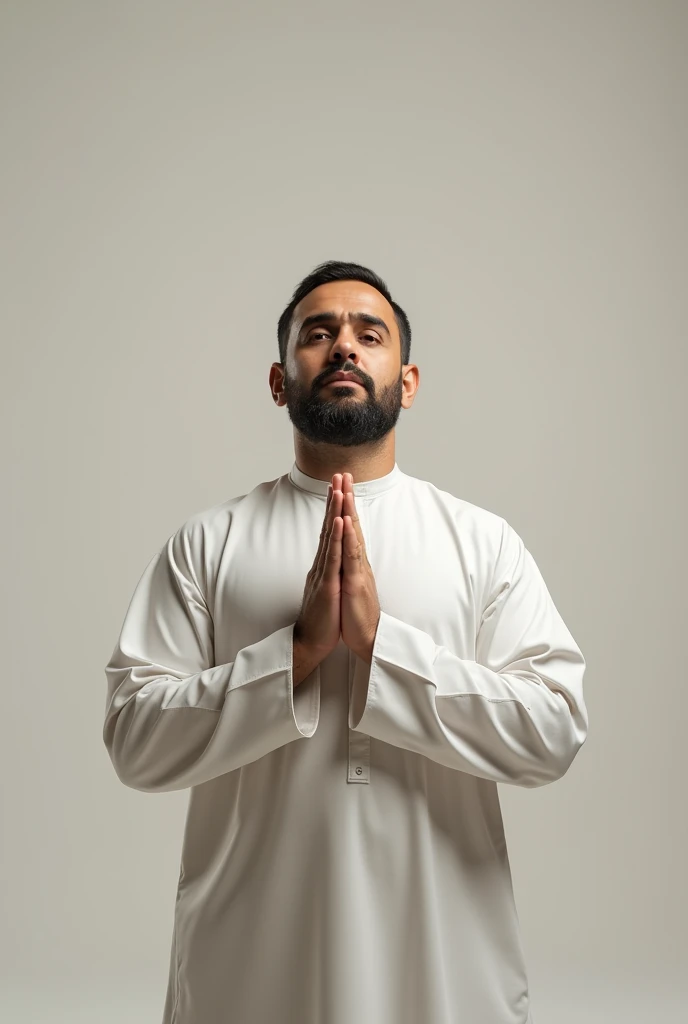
<point x="338" y="378"/>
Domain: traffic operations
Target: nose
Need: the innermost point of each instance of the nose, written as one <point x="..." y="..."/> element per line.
<point x="345" y="345"/>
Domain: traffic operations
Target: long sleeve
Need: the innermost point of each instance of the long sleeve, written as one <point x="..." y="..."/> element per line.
<point x="173" y="718"/>
<point x="514" y="715"/>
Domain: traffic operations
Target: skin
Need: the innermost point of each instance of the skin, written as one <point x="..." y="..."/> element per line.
<point x="344" y="429"/>
<point x="344" y="433"/>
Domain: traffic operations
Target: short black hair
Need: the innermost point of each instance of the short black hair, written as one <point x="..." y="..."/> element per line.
<point x="336" y="270"/>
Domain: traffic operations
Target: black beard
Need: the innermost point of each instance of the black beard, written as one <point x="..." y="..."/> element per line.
<point x="327" y="415"/>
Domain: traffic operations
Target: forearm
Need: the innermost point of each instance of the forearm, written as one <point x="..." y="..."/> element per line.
<point x="167" y="730"/>
<point x="522" y="727"/>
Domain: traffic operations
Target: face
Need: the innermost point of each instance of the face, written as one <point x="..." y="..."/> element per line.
<point x="343" y="413"/>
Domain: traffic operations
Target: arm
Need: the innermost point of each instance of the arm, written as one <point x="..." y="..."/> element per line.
<point x="515" y="715"/>
<point x="173" y="718"/>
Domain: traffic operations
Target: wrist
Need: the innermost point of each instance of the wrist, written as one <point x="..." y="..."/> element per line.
<point x="305" y="659"/>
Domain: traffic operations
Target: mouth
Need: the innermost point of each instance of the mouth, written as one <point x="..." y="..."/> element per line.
<point x="344" y="383"/>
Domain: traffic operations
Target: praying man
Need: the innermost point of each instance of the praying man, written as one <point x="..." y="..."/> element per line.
<point x="340" y="666"/>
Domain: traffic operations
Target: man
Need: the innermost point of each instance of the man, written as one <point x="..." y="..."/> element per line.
<point x="341" y="665"/>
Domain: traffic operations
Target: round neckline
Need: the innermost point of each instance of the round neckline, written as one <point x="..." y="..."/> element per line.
<point x="362" y="488"/>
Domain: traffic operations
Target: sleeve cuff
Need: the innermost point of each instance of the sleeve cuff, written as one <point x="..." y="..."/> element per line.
<point x="305" y="698"/>
<point x="382" y="704"/>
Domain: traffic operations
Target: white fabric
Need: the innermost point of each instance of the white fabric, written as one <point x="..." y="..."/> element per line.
<point x="344" y="859"/>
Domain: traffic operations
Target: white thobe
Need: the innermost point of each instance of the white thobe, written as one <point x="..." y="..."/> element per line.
<point x="344" y="858"/>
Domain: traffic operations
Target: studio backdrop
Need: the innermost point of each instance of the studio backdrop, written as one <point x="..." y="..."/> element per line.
<point x="516" y="173"/>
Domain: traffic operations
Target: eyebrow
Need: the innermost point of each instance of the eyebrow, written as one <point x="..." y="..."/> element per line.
<point x="330" y="316"/>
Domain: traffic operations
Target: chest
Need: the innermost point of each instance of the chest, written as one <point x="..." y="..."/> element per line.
<point x="426" y="567"/>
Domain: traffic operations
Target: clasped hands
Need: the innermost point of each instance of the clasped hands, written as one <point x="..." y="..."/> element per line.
<point x="360" y="607"/>
<point x="340" y="597"/>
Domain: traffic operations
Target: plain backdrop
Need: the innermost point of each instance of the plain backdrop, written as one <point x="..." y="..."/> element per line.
<point x="516" y="173"/>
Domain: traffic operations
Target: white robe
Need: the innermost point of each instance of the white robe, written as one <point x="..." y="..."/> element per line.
<point x="344" y="858"/>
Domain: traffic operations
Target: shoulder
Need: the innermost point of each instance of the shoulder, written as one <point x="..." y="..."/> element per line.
<point x="196" y="545"/>
<point x="475" y="520"/>
<point x="493" y="542"/>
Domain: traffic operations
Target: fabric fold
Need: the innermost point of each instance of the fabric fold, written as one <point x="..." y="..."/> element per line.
<point x="515" y="714"/>
<point x="173" y="718"/>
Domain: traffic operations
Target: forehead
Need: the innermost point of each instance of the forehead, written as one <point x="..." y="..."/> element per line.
<point x="345" y="297"/>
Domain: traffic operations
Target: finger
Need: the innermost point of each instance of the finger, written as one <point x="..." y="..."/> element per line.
<point x="352" y="552"/>
<point x="349" y="509"/>
<point x="323" y="529"/>
<point x="334" y="551"/>
<point x="334" y="510"/>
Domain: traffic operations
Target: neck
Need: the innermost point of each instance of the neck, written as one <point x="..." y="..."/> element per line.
<point x="322" y="461"/>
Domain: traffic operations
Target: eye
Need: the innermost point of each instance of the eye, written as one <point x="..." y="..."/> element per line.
<point x="322" y="334"/>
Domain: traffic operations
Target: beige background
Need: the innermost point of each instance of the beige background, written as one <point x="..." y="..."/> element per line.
<point x="516" y="172"/>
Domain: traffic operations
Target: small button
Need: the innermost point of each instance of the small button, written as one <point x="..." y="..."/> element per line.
<point x="359" y="771"/>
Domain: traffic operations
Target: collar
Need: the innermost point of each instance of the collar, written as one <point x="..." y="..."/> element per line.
<point x="363" y="488"/>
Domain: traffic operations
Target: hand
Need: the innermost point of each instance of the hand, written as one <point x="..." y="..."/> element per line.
<point x="317" y="628"/>
<point x="360" y="607"/>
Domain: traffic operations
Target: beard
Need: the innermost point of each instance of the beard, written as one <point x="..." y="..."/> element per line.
<point x="342" y="415"/>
